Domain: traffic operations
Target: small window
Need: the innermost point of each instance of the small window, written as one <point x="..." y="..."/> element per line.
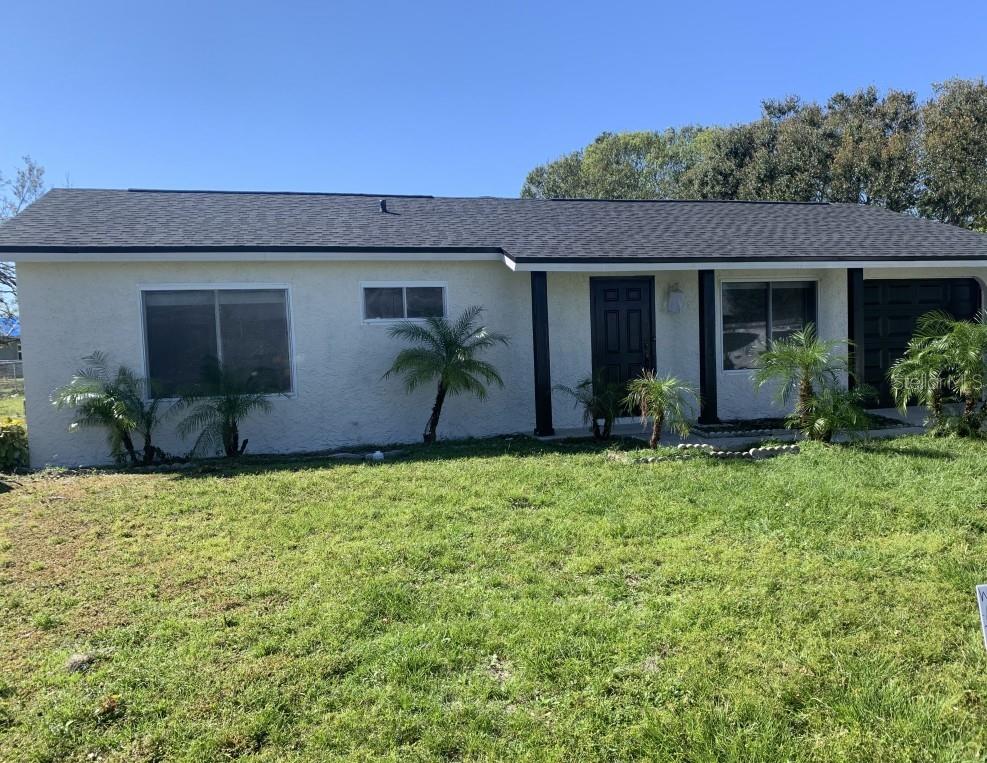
<point x="757" y="313"/>
<point x="246" y="330"/>
<point x="388" y="303"/>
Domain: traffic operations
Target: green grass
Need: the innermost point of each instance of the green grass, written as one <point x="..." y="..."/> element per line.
<point x="12" y="398"/>
<point x="11" y="405"/>
<point x="503" y="600"/>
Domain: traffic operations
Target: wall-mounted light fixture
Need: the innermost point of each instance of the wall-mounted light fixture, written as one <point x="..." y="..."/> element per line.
<point x="674" y="299"/>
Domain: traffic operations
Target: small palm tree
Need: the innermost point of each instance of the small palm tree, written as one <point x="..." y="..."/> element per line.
<point x="801" y="363"/>
<point x="446" y="351"/>
<point x="217" y="406"/>
<point x="118" y="401"/>
<point x="961" y="346"/>
<point x="601" y="401"/>
<point x="919" y="375"/>
<point x="663" y="400"/>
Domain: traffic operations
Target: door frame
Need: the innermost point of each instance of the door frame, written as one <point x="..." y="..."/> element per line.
<point x="596" y="336"/>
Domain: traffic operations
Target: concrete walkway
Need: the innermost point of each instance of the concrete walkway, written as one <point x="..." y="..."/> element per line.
<point x="634" y="429"/>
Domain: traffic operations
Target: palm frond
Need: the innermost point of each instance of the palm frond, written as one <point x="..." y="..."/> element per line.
<point x="446" y="350"/>
<point x="226" y="396"/>
<point x="200" y="418"/>
<point x="801" y="357"/>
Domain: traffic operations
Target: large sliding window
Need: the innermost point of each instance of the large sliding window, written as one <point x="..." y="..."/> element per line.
<point x="245" y="329"/>
<point x="759" y="312"/>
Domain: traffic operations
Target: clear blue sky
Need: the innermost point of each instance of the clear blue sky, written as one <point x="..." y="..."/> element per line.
<point x="457" y="98"/>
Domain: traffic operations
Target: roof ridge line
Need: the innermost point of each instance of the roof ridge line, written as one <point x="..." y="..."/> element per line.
<point x="695" y="201"/>
<point x="268" y="193"/>
<point x="583" y="199"/>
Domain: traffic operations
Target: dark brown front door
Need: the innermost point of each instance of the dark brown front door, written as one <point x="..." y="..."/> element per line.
<point x="623" y="327"/>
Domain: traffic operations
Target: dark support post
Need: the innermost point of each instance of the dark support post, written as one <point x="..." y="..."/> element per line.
<point x="543" y="371"/>
<point x="855" y="323"/>
<point x="707" y="347"/>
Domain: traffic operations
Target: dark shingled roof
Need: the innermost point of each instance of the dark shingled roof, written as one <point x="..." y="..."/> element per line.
<point x="527" y="230"/>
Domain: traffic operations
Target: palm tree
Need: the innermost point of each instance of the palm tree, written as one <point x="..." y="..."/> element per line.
<point x="600" y="400"/>
<point x="801" y="363"/>
<point x="664" y="400"/>
<point x="962" y="348"/>
<point x="118" y="401"/>
<point x="919" y="375"/>
<point x="224" y="398"/>
<point x="446" y="351"/>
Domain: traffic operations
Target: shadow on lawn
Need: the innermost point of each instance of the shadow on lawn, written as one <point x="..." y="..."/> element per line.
<point x="889" y="447"/>
<point x="516" y="446"/>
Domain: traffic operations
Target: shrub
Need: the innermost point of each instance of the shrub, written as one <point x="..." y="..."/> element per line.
<point x="830" y="411"/>
<point x="13" y="445"/>
<point x="601" y="403"/>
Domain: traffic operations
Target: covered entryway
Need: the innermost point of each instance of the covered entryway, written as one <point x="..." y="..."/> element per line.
<point x="891" y="308"/>
<point x="623" y="327"/>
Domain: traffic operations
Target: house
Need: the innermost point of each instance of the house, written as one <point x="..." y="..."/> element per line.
<point x="301" y="288"/>
<point x="10" y="346"/>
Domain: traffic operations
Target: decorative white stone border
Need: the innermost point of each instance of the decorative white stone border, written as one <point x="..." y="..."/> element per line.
<point x="689" y="450"/>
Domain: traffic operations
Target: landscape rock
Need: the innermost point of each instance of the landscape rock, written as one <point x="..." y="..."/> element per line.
<point x="77" y="663"/>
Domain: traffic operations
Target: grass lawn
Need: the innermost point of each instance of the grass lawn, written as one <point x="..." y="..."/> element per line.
<point x="11" y="405"/>
<point x="502" y="600"/>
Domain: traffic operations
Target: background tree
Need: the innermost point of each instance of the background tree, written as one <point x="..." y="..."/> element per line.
<point x="875" y="148"/>
<point x="783" y="155"/>
<point x="954" y="154"/>
<point x="630" y="165"/>
<point x="27" y="185"/>
<point x="446" y="351"/>
<point x="860" y="148"/>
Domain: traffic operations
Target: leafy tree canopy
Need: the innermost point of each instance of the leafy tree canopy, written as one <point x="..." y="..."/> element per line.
<point x="863" y="147"/>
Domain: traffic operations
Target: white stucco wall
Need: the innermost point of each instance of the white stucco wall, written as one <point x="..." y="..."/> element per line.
<point x="69" y="310"/>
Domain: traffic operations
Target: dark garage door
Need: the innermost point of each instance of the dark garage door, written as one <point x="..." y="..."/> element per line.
<point x="891" y="308"/>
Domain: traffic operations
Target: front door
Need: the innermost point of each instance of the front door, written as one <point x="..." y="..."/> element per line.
<point x="623" y="327"/>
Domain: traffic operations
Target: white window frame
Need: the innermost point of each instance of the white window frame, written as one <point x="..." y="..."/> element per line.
<point x="751" y="279"/>
<point x="224" y="286"/>
<point x="364" y="285"/>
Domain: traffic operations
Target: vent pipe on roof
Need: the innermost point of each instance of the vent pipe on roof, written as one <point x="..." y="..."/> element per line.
<point x="383" y="206"/>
